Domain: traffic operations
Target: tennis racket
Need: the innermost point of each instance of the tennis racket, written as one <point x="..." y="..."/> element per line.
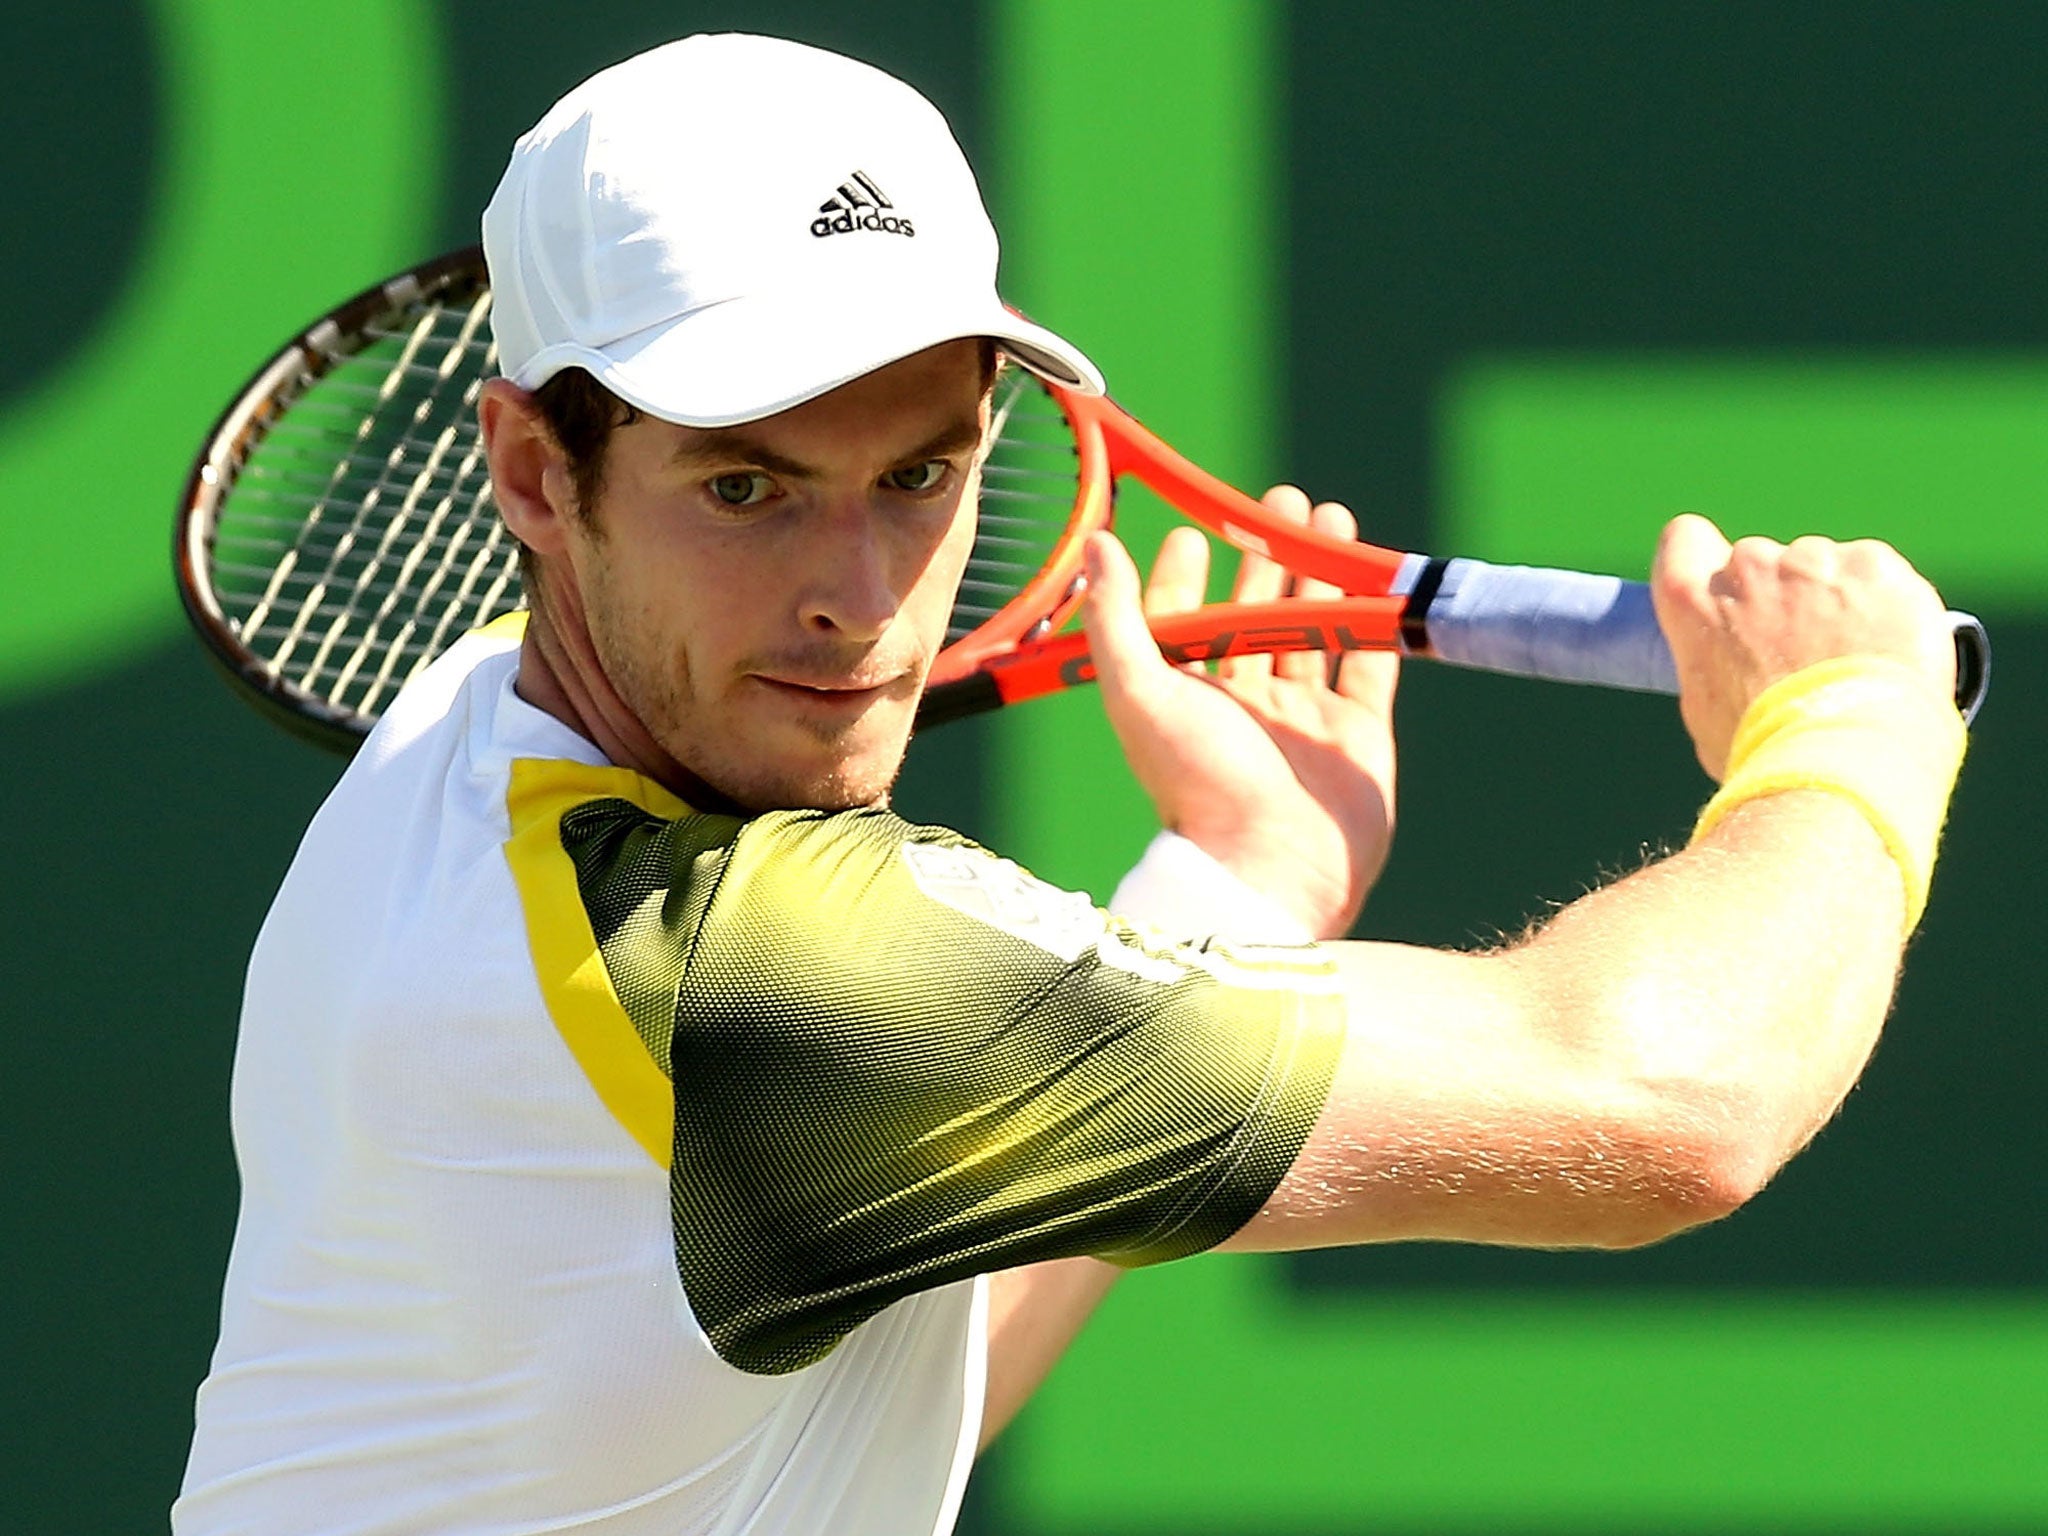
<point x="338" y="533"/>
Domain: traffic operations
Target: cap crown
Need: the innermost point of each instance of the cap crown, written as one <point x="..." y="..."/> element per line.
<point x="720" y="169"/>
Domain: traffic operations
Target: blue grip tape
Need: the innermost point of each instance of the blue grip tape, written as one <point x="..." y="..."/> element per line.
<point x="1564" y="625"/>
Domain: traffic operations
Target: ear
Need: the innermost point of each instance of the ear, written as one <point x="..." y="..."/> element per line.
<point x="529" y="472"/>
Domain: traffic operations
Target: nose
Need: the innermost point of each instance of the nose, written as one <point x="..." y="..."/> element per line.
<point x="850" y="594"/>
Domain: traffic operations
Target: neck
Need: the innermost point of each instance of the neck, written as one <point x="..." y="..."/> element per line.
<point x="560" y="673"/>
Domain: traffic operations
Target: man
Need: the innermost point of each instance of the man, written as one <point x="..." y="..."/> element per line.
<point x="632" y="1111"/>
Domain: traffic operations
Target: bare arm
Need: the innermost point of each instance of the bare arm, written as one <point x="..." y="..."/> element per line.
<point x="1644" y="1064"/>
<point x="1033" y="1315"/>
<point x="1653" y="1056"/>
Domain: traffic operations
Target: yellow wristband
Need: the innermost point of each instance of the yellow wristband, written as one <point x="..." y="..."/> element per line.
<point x="1866" y="728"/>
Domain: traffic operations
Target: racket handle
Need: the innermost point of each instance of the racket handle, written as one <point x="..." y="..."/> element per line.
<point x="1575" y="628"/>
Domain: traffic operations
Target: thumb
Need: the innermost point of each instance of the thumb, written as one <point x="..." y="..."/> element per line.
<point x="1689" y="552"/>
<point x="1127" y="661"/>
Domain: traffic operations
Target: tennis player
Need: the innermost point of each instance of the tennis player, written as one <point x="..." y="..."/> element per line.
<point x="645" y="1131"/>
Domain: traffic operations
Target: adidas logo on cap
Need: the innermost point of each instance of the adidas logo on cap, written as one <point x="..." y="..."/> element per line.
<point x="859" y="205"/>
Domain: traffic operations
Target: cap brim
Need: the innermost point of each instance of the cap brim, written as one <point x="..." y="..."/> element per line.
<point x="746" y="359"/>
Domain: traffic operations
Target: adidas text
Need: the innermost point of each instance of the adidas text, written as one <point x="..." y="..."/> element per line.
<point x="846" y="221"/>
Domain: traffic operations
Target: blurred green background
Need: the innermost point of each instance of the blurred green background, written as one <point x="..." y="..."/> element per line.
<point x="1513" y="279"/>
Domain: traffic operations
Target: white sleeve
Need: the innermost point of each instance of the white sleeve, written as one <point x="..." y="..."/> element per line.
<point x="1182" y="892"/>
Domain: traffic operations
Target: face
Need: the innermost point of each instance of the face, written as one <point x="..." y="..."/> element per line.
<point x="767" y="599"/>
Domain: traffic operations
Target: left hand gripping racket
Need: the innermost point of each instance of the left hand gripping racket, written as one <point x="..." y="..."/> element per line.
<point x="338" y="533"/>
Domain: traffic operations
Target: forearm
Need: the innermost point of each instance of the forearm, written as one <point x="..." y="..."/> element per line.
<point x="1642" y="1064"/>
<point x="1033" y="1315"/>
<point x="1743" y="981"/>
<point x="1755" y="969"/>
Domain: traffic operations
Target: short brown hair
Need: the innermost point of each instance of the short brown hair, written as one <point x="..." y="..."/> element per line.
<point x="582" y="414"/>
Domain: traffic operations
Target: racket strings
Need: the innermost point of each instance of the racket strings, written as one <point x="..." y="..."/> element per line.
<point x="377" y="494"/>
<point x="308" y="459"/>
<point x="359" y="538"/>
<point x="362" y="442"/>
<point x="1030" y="479"/>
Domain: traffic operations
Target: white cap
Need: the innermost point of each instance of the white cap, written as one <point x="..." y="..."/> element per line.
<point x="727" y="226"/>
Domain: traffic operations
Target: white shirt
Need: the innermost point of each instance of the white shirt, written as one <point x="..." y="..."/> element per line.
<point x="453" y="1301"/>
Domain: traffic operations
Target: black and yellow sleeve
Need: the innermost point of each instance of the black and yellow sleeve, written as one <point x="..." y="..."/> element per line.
<point x="899" y="1061"/>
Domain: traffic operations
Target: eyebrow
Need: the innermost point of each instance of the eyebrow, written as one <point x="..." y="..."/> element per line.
<point x="733" y="445"/>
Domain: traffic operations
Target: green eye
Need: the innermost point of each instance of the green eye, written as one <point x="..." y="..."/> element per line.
<point x="740" y="489"/>
<point x="918" y="477"/>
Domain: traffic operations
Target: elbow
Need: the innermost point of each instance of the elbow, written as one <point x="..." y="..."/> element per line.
<point x="1639" y="1176"/>
<point x="1705" y="1166"/>
<point x="1737" y="1162"/>
<point x="1676" y="1205"/>
<point x="1686" y="1199"/>
<point x="1705" y="1129"/>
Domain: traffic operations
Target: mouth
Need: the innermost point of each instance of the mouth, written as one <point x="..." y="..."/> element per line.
<point x="848" y="695"/>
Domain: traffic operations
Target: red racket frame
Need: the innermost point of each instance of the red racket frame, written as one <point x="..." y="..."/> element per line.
<point x="1021" y="654"/>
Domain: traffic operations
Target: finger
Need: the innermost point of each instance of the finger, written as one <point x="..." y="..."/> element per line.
<point x="1334" y="519"/>
<point x="1755" y="564"/>
<point x="1814" y="558"/>
<point x="1180" y="574"/>
<point x="1261" y="579"/>
<point x="1369" y="679"/>
<point x="1180" y="578"/>
<point x="1690" y="553"/>
<point x="1692" y="560"/>
<point x="1128" y="665"/>
<point x="1315" y="666"/>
